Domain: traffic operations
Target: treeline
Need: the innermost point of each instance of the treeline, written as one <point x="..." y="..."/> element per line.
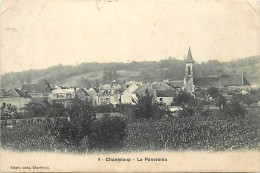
<point x="150" y="71"/>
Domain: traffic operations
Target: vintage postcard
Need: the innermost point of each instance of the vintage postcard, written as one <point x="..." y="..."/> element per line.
<point x="130" y="86"/>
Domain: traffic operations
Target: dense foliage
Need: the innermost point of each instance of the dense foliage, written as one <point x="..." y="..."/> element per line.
<point x="194" y="133"/>
<point x="9" y="111"/>
<point x="107" y="133"/>
<point x="146" y="125"/>
<point x="147" y="108"/>
<point x="190" y="133"/>
<point x="75" y="124"/>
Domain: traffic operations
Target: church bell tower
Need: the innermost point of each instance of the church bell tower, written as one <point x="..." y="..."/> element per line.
<point x="189" y="73"/>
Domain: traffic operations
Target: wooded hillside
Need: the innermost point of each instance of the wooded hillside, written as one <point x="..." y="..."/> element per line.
<point x="93" y="74"/>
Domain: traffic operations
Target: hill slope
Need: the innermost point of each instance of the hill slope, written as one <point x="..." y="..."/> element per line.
<point x="92" y="74"/>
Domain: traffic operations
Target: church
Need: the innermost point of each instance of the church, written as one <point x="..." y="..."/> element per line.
<point x="224" y="82"/>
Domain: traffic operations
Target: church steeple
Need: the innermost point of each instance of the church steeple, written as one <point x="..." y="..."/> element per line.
<point x="189" y="73"/>
<point x="189" y="57"/>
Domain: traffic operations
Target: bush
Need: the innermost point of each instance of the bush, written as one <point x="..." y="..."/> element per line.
<point x="9" y="111"/>
<point x="234" y="110"/>
<point x="213" y="92"/>
<point x="35" y="110"/>
<point x="220" y="101"/>
<point x="106" y="108"/>
<point x="186" y="111"/>
<point x="195" y="106"/>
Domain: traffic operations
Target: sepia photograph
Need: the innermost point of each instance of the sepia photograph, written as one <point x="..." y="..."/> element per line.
<point x="130" y="86"/>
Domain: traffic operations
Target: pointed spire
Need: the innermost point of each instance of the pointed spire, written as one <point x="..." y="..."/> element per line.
<point x="189" y="57"/>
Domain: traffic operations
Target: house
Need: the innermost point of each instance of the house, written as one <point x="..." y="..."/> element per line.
<point x="15" y="97"/>
<point x="62" y="94"/>
<point x="108" y="97"/>
<point x="111" y="88"/>
<point x="109" y="94"/>
<point x="233" y="82"/>
<point x="164" y="93"/>
<point x="38" y="92"/>
<point x="160" y="91"/>
<point x="226" y="82"/>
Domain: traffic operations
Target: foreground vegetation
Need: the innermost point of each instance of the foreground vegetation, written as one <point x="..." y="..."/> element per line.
<point x="144" y="126"/>
<point x="212" y="133"/>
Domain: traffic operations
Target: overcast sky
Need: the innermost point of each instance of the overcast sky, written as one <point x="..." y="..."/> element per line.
<point x="42" y="33"/>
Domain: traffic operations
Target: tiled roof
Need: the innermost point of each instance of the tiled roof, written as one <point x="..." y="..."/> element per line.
<point x="84" y="91"/>
<point x="91" y="92"/>
<point x="236" y="79"/>
<point x="165" y="93"/>
<point x="142" y="87"/>
<point x="178" y="83"/>
<point x="207" y="82"/>
<point x="96" y="89"/>
<point x="161" y="86"/>
<point x="36" y="88"/>
<point x="14" y="93"/>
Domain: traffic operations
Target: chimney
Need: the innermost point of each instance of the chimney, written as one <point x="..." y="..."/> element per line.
<point x="242" y="78"/>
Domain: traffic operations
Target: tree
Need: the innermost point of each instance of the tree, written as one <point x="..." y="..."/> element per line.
<point x="89" y="85"/>
<point x="146" y="107"/>
<point x="75" y="124"/>
<point x="97" y="84"/>
<point x="110" y="76"/>
<point x="55" y="110"/>
<point x="182" y="98"/>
